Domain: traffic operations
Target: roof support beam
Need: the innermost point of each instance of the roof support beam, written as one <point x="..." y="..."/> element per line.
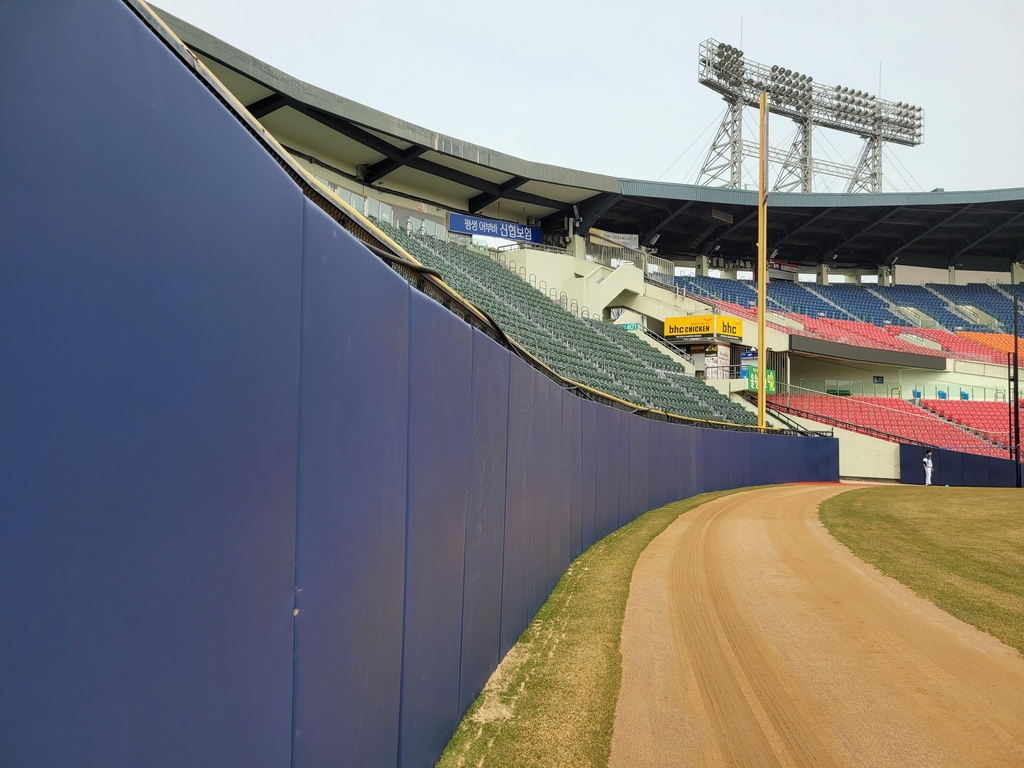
<point x="382" y="168"/>
<point x="667" y="218"/>
<point x="890" y="258"/>
<point x="391" y="152"/>
<point x="985" y="236"/>
<point x="263" y="107"/>
<point x="799" y="228"/>
<point x="862" y="231"/>
<point x="711" y="245"/>
<point x="484" y="199"/>
<point x="593" y="208"/>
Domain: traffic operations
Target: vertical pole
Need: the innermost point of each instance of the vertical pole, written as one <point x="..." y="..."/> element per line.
<point x="1009" y="403"/>
<point x="1016" y="381"/>
<point x="762" y="262"/>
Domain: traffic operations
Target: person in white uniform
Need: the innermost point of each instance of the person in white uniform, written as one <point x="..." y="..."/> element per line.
<point x="927" y="467"/>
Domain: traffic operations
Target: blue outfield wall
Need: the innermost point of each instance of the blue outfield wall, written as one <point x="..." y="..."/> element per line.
<point x="956" y="468"/>
<point x="261" y="503"/>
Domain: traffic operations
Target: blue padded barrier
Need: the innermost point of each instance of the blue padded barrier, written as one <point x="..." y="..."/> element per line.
<point x="572" y="442"/>
<point x="607" y="480"/>
<point x="590" y="449"/>
<point x="557" y="509"/>
<point x="515" y="580"/>
<point x="351" y="531"/>
<point x="1001" y="473"/>
<point x="952" y="468"/>
<point x="975" y="470"/>
<point x="956" y="468"/>
<point x="440" y="431"/>
<point x="539" y="491"/>
<point x="150" y="382"/>
<point x="485" y="518"/>
<point x="228" y="499"/>
<point x="636" y="458"/>
<point x="620" y="466"/>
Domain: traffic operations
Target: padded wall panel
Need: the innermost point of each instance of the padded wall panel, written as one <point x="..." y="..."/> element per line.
<point x="150" y="359"/>
<point x="558" y="500"/>
<point x="591" y="483"/>
<point x="657" y="474"/>
<point x="440" y="431"/>
<point x="572" y="446"/>
<point x="621" y="458"/>
<point x="485" y="518"/>
<point x="911" y="472"/>
<point x="515" y="581"/>
<point x="1001" y="473"/>
<point x="352" y="502"/>
<point x="539" y="487"/>
<point x="607" y="480"/>
<point x="952" y="469"/>
<point x="644" y="492"/>
<point x="975" y="470"/>
<point x="635" y="426"/>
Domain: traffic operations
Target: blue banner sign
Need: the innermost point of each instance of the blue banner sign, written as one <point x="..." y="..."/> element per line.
<point x="474" y="225"/>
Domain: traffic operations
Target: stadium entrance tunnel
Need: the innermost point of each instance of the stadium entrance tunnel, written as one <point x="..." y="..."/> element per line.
<point x="242" y="525"/>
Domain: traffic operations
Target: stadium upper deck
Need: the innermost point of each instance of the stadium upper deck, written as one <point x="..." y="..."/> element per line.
<point x="976" y="230"/>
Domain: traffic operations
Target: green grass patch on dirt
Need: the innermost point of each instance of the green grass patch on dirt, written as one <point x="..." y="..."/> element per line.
<point x="551" y="702"/>
<point x="960" y="548"/>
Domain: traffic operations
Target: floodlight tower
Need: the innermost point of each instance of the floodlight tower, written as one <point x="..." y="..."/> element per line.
<point x="724" y="69"/>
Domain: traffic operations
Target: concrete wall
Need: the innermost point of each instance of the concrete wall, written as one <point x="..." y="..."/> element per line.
<point x="982" y="381"/>
<point x="861" y="455"/>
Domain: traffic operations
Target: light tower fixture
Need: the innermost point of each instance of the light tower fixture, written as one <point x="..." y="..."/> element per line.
<point x="724" y="69"/>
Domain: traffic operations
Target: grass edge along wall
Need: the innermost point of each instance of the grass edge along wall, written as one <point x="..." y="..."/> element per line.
<point x="228" y="500"/>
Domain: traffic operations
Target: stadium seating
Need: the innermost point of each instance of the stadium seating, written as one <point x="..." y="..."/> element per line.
<point x="886" y="418"/>
<point x="859" y="302"/>
<point x="957" y="346"/>
<point x="982" y="296"/>
<point x="739" y="292"/>
<point x="796" y="298"/>
<point x="989" y="419"/>
<point x="1000" y="342"/>
<point x="593" y="353"/>
<point x="920" y="298"/>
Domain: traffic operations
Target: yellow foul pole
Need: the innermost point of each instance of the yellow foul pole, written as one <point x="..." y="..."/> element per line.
<point x="762" y="261"/>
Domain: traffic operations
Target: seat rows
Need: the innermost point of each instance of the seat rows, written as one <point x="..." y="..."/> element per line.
<point x="889" y="419"/>
<point x="1001" y="343"/>
<point x="986" y="418"/>
<point x="957" y="346"/>
<point x="590" y="352"/>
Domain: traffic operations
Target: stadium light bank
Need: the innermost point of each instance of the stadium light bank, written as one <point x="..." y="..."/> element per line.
<point x="724" y="69"/>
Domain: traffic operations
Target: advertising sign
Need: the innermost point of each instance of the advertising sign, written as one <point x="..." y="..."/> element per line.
<point x="475" y="225"/>
<point x="614" y="239"/>
<point x="704" y="325"/>
<point x="769" y="377"/>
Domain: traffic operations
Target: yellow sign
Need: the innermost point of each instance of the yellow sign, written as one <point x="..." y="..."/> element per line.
<point x="704" y="325"/>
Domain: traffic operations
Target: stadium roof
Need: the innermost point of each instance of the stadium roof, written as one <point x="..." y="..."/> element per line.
<point x="978" y="230"/>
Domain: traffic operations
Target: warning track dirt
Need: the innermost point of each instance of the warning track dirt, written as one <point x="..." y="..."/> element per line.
<point x="753" y="638"/>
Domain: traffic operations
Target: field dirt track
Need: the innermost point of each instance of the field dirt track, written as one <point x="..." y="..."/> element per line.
<point x="753" y="638"/>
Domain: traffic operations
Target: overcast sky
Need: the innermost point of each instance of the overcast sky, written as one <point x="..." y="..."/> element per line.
<point x="611" y="87"/>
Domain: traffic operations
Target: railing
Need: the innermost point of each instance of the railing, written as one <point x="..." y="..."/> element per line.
<point x="928" y="390"/>
<point x="724" y="372"/>
<point x="656" y="269"/>
<point x="664" y="342"/>
<point x="531" y="247"/>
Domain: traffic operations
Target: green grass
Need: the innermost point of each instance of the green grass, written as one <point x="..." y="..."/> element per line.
<point x="960" y="548"/>
<point x="552" y="700"/>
